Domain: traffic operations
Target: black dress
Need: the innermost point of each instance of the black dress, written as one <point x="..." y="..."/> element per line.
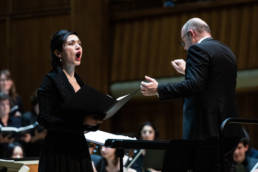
<point x="65" y="148"/>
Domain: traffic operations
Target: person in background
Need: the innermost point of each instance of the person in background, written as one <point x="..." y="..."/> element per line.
<point x="31" y="116"/>
<point x="16" y="150"/>
<point x="242" y="158"/>
<point x="7" y="86"/>
<point x="110" y="161"/>
<point x="148" y="131"/>
<point x="94" y="156"/>
<point x="6" y="120"/>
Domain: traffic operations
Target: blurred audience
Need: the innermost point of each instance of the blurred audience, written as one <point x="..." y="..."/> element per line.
<point x="94" y="154"/>
<point x="33" y="140"/>
<point x="7" y="86"/>
<point x="30" y="141"/>
<point x="6" y="119"/>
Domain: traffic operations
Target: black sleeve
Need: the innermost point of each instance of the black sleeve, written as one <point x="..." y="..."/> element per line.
<point x="47" y="96"/>
<point x="196" y="76"/>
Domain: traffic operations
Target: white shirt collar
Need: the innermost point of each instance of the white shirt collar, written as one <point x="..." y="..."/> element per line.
<point x="203" y="39"/>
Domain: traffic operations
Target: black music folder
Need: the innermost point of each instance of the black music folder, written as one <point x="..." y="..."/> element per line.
<point x="90" y="101"/>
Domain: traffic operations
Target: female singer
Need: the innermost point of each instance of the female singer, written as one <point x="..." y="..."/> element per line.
<point x="65" y="148"/>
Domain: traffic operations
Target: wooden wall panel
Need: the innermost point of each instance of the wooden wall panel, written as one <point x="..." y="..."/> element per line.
<point x="253" y="39"/>
<point x="26" y="6"/>
<point x="4" y="59"/>
<point x="90" y="20"/>
<point x="157" y="43"/>
<point x="30" y="55"/>
<point x="4" y="8"/>
<point x="247" y="108"/>
<point x="243" y="54"/>
<point x="166" y="115"/>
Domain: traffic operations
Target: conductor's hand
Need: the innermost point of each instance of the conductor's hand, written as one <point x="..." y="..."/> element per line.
<point x="149" y="88"/>
<point x="179" y="65"/>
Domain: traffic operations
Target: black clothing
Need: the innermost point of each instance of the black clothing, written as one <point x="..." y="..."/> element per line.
<point x="16" y="104"/>
<point x="29" y="118"/>
<point x="13" y="121"/>
<point x="65" y="148"/>
<point x="95" y="158"/>
<point x="208" y="89"/>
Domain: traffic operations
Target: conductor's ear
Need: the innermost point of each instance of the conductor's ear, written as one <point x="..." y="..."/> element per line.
<point x="190" y="34"/>
<point x="58" y="53"/>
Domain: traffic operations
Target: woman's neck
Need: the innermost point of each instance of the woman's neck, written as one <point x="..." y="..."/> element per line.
<point x="112" y="166"/>
<point x="5" y="119"/>
<point x="112" y="162"/>
<point x="69" y="70"/>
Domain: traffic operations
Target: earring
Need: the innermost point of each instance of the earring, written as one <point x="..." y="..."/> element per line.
<point x="60" y="60"/>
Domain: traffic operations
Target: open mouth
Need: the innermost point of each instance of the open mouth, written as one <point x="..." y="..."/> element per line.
<point x="78" y="55"/>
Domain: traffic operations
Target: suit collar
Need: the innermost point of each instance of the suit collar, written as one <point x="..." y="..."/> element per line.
<point x="204" y="39"/>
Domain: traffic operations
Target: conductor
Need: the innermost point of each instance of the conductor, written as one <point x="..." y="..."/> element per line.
<point x="209" y="86"/>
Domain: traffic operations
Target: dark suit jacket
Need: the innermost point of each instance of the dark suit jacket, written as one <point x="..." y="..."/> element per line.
<point x="65" y="147"/>
<point x="208" y="89"/>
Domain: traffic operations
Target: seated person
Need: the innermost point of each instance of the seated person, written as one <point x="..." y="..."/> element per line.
<point x="7" y="86"/>
<point x="242" y="160"/>
<point x="15" y="151"/>
<point x="94" y="157"/>
<point x="6" y="119"/>
<point x="147" y="131"/>
<point x="110" y="161"/>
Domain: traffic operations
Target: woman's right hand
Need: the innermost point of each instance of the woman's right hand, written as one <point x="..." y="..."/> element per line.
<point x="91" y="121"/>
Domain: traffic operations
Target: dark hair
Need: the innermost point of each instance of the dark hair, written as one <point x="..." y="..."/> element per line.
<point x="57" y="41"/>
<point x="244" y="140"/>
<point x="34" y="98"/>
<point x="13" y="94"/>
<point x="148" y="123"/>
<point x="11" y="148"/>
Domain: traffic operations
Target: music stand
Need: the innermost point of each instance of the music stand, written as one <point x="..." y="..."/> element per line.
<point x="191" y="155"/>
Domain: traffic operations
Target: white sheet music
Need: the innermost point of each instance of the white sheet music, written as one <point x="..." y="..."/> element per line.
<point x="13" y="166"/>
<point x="100" y="137"/>
<point x="255" y="168"/>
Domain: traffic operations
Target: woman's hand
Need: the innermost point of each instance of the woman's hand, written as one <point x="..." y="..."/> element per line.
<point x="91" y="121"/>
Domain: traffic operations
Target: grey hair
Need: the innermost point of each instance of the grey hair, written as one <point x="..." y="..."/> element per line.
<point x="196" y="24"/>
